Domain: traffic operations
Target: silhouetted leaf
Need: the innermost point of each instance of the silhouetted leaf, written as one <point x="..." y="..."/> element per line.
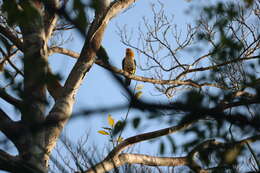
<point x="119" y="126"/>
<point x="162" y="147"/>
<point x="136" y="122"/>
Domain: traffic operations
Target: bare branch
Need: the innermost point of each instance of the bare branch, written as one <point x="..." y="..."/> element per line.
<point x="8" y="59"/>
<point x="63" y="51"/>
<point x="13" y="101"/>
<point x="11" y="37"/>
<point x="217" y="65"/>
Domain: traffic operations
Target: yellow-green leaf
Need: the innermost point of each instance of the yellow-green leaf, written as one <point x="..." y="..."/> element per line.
<point x="120" y="139"/>
<point x="110" y="120"/>
<point x="138" y="94"/>
<point x="139" y="87"/>
<point x="103" y="132"/>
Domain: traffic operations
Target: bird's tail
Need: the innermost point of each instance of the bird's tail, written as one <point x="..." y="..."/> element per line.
<point x="127" y="82"/>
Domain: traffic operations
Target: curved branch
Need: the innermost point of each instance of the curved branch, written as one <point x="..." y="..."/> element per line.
<point x="15" y="131"/>
<point x="147" y="136"/>
<point x="8" y="34"/>
<point x="13" y="164"/>
<point x="113" y="158"/>
<point x="13" y="101"/>
<point x="152" y="160"/>
<point x="125" y="158"/>
<point x="121" y="159"/>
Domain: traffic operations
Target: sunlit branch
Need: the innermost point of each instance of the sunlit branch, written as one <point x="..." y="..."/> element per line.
<point x="115" y="160"/>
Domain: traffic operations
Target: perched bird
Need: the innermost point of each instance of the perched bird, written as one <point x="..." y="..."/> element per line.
<point x="129" y="64"/>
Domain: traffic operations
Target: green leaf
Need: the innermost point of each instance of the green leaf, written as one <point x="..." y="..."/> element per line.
<point x="120" y="139"/>
<point x="136" y="122"/>
<point x="138" y="94"/>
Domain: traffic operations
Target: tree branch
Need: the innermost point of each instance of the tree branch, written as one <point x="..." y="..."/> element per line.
<point x="147" y="136"/>
<point x="62" y="109"/>
<point x="9" y="99"/>
<point x="138" y="78"/>
<point x="14" y="164"/>
<point x="188" y="160"/>
<point x="63" y="51"/>
<point x="14" y="131"/>
<point x="9" y="34"/>
<point x="5" y="123"/>
<point x="50" y="18"/>
<point x="217" y="65"/>
<point x="112" y="158"/>
<point x="156" y="81"/>
<point x="53" y="85"/>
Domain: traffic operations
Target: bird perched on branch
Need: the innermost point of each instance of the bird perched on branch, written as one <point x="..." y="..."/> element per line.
<point x="129" y="64"/>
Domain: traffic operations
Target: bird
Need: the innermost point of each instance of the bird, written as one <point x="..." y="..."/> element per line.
<point x="129" y="64"/>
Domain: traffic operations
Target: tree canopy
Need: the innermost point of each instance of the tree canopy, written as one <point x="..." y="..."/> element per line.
<point x="208" y="73"/>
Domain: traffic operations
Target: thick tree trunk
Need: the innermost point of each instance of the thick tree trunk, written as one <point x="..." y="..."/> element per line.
<point x="34" y="92"/>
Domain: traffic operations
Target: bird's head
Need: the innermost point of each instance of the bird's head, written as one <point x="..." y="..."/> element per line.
<point x="129" y="52"/>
